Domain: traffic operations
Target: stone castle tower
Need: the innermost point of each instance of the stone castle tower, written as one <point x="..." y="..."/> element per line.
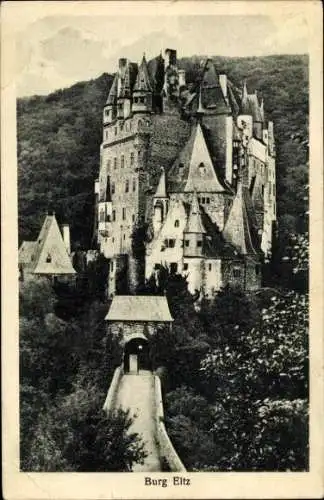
<point x="196" y="163"/>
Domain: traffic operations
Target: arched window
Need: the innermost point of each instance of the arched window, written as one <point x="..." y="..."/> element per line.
<point x="176" y="223"/>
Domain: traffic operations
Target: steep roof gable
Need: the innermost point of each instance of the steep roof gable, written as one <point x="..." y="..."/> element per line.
<point x="237" y="228"/>
<point x="51" y="256"/>
<point x="201" y="176"/>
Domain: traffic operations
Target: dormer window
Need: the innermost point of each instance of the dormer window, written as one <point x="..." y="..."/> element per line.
<point x="202" y="169"/>
<point x="48" y="258"/>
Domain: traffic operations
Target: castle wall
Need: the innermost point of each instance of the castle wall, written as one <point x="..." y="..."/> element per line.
<point x="161" y="252"/>
<point x="213" y="277"/>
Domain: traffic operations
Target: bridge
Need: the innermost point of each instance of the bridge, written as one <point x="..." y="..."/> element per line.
<point x="140" y="392"/>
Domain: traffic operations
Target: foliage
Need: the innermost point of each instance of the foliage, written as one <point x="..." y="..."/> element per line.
<point x="260" y="384"/>
<point x="76" y="435"/>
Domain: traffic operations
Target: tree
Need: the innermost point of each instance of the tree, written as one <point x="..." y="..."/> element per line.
<point x="248" y="381"/>
<point x="76" y="435"/>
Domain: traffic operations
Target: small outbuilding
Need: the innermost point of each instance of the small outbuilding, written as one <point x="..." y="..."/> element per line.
<point x="137" y="318"/>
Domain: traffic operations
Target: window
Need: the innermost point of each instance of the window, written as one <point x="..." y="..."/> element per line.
<point x="115" y="163"/>
<point x="187" y="243"/>
<point x="111" y="265"/>
<point x="185" y="266"/>
<point x="262" y="188"/>
<point x="135" y="100"/>
<point x="124" y="237"/>
<point x="114" y="215"/>
<point x="133" y="217"/>
<point x="209" y="267"/>
<point x="112" y="188"/>
<point x="169" y="243"/>
<point x="134" y="184"/>
<point x="199" y="243"/>
<point x="124" y="213"/>
<point x="157" y="266"/>
<point x="115" y="130"/>
<point x="102" y="216"/>
<point x="127" y="186"/>
<point x="132" y="158"/>
<point x="122" y="161"/>
<point x="207" y="201"/>
<point x="176" y="223"/>
<point x="106" y="134"/>
<point x="173" y="267"/>
<point x="48" y="258"/>
<point x="181" y="165"/>
<point x="257" y="269"/>
<point x="108" y="165"/>
<point x="202" y="169"/>
<point x="203" y="200"/>
<point x="199" y="199"/>
<point x="237" y="273"/>
<point x="107" y="112"/>
<point x="142" y="100"/>
<point x="108" y="218"/>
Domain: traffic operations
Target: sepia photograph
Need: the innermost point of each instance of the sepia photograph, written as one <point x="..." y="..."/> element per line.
<point x="163" y="214"/>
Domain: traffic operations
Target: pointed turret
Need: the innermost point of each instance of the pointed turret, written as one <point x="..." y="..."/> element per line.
<point x="161" y="191"/>
<point x="110" y="109"/>
<point x="262" y="110"/>
<point x="237" y="228"/>
<point x="160" y="204"/>
<point x="142" y="92"/>
<point x="194" y="233"/>
<point x="200" y="109"/>
<point x="194" y="223"/>
<point x="213" y="99"/>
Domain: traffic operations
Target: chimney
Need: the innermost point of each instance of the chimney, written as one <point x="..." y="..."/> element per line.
<point x="66" y="237"/>
<point x="170" y="57"/>
<point x="223" y="84"/>
<point x="122" y="62"/>
<point x="182" y="77"/>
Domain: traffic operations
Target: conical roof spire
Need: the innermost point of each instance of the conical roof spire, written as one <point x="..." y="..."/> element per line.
<point x="262" y="109"/>
<point x="244" y="91"/>
<point x="237" y="227"/>
<point x="161" y="191"/>
<point x="200" y="109"/>
<point x="194" y="223"/>
<point x="143" y="78"/>
<point x="112" y="96"/>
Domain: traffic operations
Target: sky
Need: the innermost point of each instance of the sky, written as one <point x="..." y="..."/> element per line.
<point x="57" y="51"/>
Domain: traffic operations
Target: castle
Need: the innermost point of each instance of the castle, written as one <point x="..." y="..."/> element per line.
<point x="195" y="164"/>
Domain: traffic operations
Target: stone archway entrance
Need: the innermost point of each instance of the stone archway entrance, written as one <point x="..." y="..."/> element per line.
<point x="136" y="355"/>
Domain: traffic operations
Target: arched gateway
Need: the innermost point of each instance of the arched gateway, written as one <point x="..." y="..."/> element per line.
<point x="137" y="317"/>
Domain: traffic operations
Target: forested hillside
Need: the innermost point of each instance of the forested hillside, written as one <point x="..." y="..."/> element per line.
<point x="59" y="137"/>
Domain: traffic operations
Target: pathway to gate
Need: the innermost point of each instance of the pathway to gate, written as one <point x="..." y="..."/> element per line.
<point x="136" y="393"/>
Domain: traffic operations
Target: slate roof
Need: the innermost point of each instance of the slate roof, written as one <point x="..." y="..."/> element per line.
<point x="238" y="226"/>
<point x="26" y="252"/>
<point x="48" y="254"/>
<point x="194" y="222"/>
<point x="112" y="96"/>
<point x="250" y="106"/>
<point x="161" y="191"/>
<point x="184" y="175"/>
<point x="139" y="308"/>
<point x="143" y="80"/>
